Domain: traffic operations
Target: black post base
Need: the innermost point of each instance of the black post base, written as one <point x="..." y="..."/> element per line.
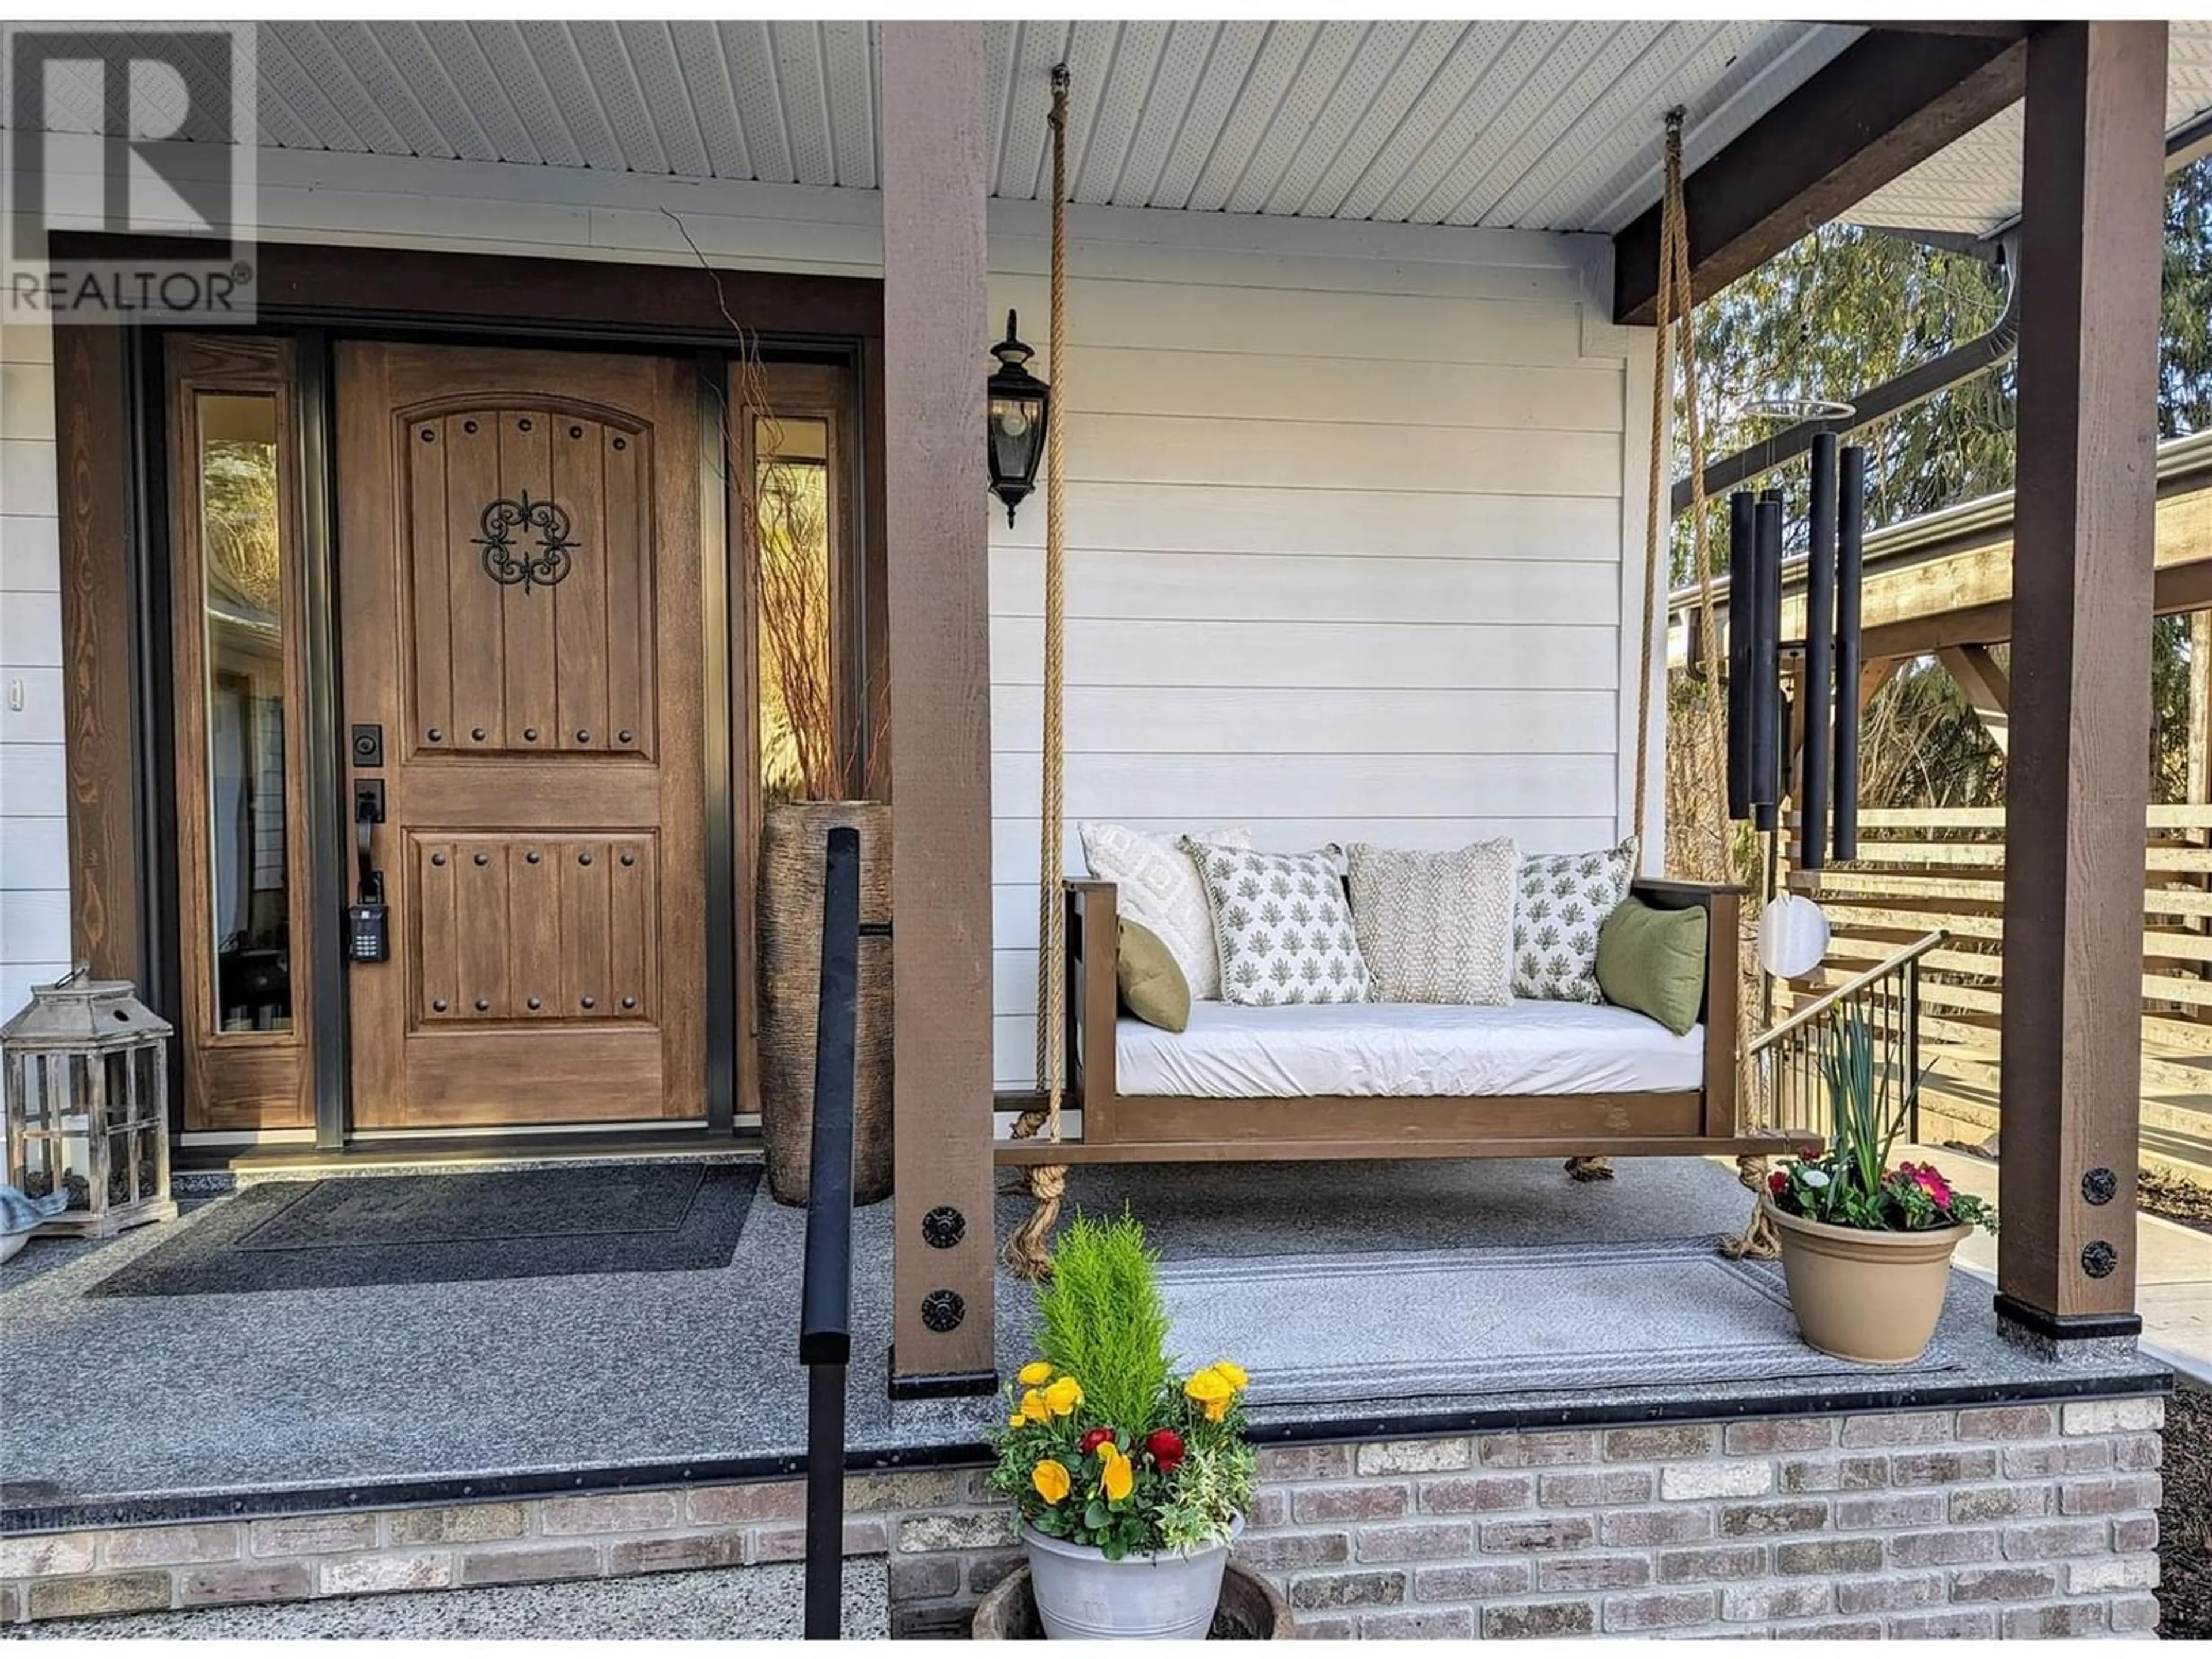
<point x="940" y="1385"/>
<point x="2065" y="1336"/>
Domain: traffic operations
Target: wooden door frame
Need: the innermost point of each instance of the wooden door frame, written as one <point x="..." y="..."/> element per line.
<point x="116" y="610"/>
<point x="259" y="366"/>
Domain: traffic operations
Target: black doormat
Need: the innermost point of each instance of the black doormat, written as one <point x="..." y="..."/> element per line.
<point x="442" y="1228"/>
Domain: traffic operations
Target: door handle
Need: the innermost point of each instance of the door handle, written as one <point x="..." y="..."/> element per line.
<point x="367" y="813"/>
<point x="366" y="934"/>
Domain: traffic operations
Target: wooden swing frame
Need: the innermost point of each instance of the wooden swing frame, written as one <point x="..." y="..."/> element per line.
<point x="1119" y="1128"/>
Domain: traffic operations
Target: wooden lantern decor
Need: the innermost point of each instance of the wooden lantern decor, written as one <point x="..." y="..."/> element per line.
<point x="87" y="1105"/>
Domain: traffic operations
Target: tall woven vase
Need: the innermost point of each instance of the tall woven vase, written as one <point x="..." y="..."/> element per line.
<point x="793" y="838"/>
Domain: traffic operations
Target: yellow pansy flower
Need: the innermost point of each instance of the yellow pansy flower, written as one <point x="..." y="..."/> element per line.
<point x="1208" y="1386"/>
<point x="1234" y="1373"/>
<point x="1051" y="1480"/>
<point x="1035" y="1374"/>
<point x="1118" y="1479"/>
<point x="1212" y="1391"/>
<point x="1033" y="1407"/>
<point x="1063" y="1396"/>
<point x="1016" y="1420"/>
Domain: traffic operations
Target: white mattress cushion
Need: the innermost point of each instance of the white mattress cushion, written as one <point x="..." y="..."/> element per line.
<point x="1399" y="1050"/>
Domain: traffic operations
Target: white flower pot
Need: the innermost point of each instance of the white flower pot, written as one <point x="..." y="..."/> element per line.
<point x="1083" y="1597"/>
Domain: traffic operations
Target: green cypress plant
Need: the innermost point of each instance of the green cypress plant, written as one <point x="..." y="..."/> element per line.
<point x="1102" y="1317"/>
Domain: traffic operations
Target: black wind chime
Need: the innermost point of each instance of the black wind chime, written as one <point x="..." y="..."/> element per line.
<point x="1828" y="680"/>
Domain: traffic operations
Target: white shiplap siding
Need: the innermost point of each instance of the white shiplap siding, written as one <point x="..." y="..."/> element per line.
<point x="34" y="831"/>
<point x="1345" y="552"/>
<point x="1348" y="507"/>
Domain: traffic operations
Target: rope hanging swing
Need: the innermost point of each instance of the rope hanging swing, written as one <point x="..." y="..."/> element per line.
<point x="1707" y="851"/>
<point x="1026" y="1254"/>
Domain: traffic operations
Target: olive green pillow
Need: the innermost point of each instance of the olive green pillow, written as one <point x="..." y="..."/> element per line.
<point x="1654" y="961"/>
<point x="1151" y="984"/>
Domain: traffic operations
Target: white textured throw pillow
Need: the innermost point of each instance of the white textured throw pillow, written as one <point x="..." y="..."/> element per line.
<point x="1283" y="926"/>
<point x="1158" y="887"/>
<point x="1438" y="926"/>
<point x="1565" y="898"/>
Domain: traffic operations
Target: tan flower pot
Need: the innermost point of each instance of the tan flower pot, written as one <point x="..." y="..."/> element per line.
<point x="1872" y="1296"/>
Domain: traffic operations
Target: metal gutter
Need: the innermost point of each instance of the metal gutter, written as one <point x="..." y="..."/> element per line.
<point x="1916" y="386"/>
<point x="2189" y="142"/>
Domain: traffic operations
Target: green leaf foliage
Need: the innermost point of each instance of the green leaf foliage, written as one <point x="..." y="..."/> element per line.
<point x="1102" y="1317"/>
<point x="1853" y="1183"/>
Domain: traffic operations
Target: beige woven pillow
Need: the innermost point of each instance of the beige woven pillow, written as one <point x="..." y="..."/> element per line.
<point x="1437" y="927"/>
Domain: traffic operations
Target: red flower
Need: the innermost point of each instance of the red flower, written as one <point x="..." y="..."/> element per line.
<point x="1165" y="1446"/>
<point x="1095" y="1439"/>
<point x="1930" y="1180"/>
<point x="1778" y="1183"/>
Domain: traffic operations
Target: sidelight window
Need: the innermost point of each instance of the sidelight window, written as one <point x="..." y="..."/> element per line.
<point x="242" y="608"/>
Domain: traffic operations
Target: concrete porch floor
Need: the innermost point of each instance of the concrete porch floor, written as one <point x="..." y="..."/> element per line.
<point x="380" y="1396"/>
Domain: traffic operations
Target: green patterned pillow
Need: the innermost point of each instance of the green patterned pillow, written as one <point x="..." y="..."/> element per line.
<point x="1283" y="926"/>
<point x="1565" y="898"/>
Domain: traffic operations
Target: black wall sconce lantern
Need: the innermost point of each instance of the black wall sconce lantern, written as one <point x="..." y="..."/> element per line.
<point x="1017" y="426"/>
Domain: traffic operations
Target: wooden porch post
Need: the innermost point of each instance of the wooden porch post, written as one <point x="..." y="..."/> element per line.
<point x="2078" y="781"/>
<point x="938" y="653"/>
<point x="91" y="409"/>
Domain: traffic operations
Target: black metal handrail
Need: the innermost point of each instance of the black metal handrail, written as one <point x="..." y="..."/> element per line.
<point x="1790" y="1058"/>
<point x="825" y="1312"/>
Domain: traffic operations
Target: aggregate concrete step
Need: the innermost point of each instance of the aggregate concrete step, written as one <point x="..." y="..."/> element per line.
<point x="761" y="1603"/>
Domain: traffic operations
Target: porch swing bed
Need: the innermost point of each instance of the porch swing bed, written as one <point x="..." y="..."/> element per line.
<point x="1580" y="1080"/>
<point x="1583" y="1081"/>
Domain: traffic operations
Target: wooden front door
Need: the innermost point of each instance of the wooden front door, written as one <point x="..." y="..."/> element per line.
<point x="519" y="568"/>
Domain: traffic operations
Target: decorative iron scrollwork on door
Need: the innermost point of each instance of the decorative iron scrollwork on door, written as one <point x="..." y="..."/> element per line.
<point x="508" y="565"/>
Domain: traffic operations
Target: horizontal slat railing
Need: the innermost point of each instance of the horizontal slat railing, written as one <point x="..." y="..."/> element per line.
<point x="1921" y="869"/>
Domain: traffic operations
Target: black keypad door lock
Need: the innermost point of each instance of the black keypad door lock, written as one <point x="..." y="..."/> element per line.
<point x="368" y="938"/>
<point x="367" y="935"/>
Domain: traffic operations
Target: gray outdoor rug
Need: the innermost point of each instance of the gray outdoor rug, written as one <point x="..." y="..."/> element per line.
<point x="448" y="1227"/>
<point x="1404" y="1325"/>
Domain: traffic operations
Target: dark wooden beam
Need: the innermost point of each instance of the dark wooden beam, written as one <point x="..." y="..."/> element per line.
<point x="92" y="414"/>
<point x="2077" y="784"/>
<point x="1988" y="28"/>
<point x="517" y="296"/>
<point x="937" y="586"/>
<point x="1888" y="102"/>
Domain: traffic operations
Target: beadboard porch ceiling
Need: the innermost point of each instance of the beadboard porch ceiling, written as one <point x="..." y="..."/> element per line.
<point x="1535" y="125"/>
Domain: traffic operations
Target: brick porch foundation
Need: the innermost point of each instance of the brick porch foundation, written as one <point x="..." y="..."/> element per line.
<point x="2001" y="1521"/>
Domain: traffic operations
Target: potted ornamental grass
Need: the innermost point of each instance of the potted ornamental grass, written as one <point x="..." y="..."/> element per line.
<point x="1133" y="1477"/>
<point x="1867" y="1244"/>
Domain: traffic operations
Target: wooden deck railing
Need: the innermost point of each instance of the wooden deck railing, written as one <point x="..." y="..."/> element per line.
<point x="1939" y="867"/>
